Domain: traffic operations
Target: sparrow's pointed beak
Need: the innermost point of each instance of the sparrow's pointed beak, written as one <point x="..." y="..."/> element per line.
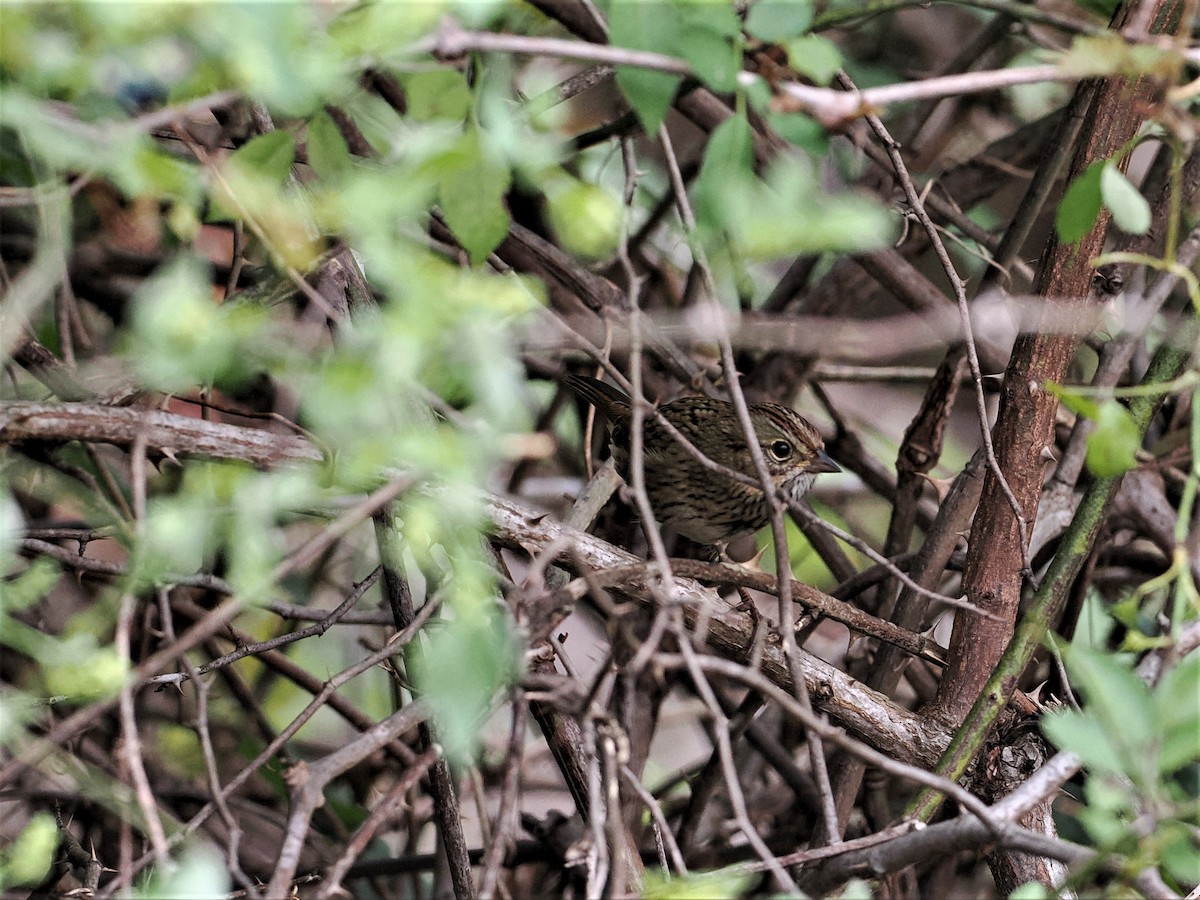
<point x="823" y="464"/>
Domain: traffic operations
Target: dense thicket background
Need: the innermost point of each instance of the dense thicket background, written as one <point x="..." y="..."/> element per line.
<point x="306" y="582"/>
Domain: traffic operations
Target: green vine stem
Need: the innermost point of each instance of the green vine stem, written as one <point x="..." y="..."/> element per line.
<point x="1168" y="363"/>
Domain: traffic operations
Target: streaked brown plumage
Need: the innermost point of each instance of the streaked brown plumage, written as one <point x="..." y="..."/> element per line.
<point x="700" y="504"/>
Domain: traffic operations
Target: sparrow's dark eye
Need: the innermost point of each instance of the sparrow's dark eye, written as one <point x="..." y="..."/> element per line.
<point x="781" y="450"/>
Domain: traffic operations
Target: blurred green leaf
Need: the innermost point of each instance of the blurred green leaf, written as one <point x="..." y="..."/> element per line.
<point x="464" y="665"/>
<point x="1032" y="890"/>
<point x="1111" y="447"/>
<point x="377" y="29"/>
<point x="728" y="166"/>
<point x="586" y="218"/>
<point x="705" y="40"/>
<point x="268" y="156"/>
<point x="1080" y="205"/>
<point x="1085" y="735"/>
<point x="12" y="524"/>
<point x="1178" y="714"/>
<point x="815" y="56"/>
<point x="649" y="93"/>
<point x="778" y="20"/>
<point x="1129" y="208"/>
<point x="179" y="749"/>
<point x="199" y="874"/>
<point x="440" y="94"/>
<point x="472" y="199"/>
<point x="1075" y="402"/>
<point x="328" y="154"/>
<point x="276" y="52"/>
<point x="1106" y="815"/>
<point x="801" y="130"/>
<point x="1109" y="53"/>
<point x="1040" y="98"/>
<point x="784" y="214"/>
<point x="181" y="338"/>
<point x="167" y="177"/>
<point x="179" y="535"/>
<point x="697" y="885"/>
<point x="26" y="589"/>
<point x="68" y="145"/>
<point x="1091" y="55"/>
<point x="1116" y="732"/>
<point x="79" y="668"/>
<point x="1116" y="439"/>
<point x="1176" y="846"/>
<point x="646" y="25"/>
<point x="701" y="33"/>
<point x="789" y="215"/>
<point x="27" y="859"/>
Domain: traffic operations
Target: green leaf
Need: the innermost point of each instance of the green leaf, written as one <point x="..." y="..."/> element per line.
<point x="472" y="200"/>
<point x="790" y="214"/>
<point x="1080" y="205"/>
<point x="77" y="667"/>
<point x="1116" y="731"/>
<point x="1113" y="444"/>
<point x="441" y="94"/>
<point x="815" y="56"/>
<point x="728" y="168"/>
<point x="199" y="875"/>
<point x="277" y="53"/>
<point x="1176" y="842"/>
<point x="377" y="29"/>
<point x="181" y="338"/>
<point x="464" y="665"/>
<point x="696" y="885"/>
<point x="646" y="25"/>
<point x="28" y="858"/>
<point x="649" y="93"/>
<point x="786" y="214"/>
<point x="1082" y="733"/>
<point x="1178" y="715"/>
<point x="711" y="55"/>
<point x="328" y="154"/>
<point x="1091" y="55"/>
<point x="1129" y="208"/>
<point x="802" y="130"/>
<point x="32" y="586"/>
<point x="1076" y="403"/>
<point x="705" y="38"/>
<point x="165" y="176"/>
<point x="12" y="527"/>
<point x="778" y="20"/>
<point x="1109" y="54"/>
<point x="586" y="218"/>
<point x="1106" y="824"/>
<point x="1111" y="447"/>
<point x="269" y="156"/>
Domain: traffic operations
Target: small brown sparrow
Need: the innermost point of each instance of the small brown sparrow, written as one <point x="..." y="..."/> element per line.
<point x="702" y="505"/>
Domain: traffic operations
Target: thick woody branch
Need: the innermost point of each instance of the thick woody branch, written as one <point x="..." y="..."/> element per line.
<point x="1025" y="420"/>
<point x="730" y="633"/>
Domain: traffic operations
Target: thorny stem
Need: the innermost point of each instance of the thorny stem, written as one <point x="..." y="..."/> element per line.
<point x="960" y="296"/>
<point x="720" y="733"/>
<point x="637" y="472"/>
<point x="787" y="614"/>
<point x="824" y="104"/>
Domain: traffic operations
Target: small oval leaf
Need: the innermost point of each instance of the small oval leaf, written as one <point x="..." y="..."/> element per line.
<point x="1129" y="208"/>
